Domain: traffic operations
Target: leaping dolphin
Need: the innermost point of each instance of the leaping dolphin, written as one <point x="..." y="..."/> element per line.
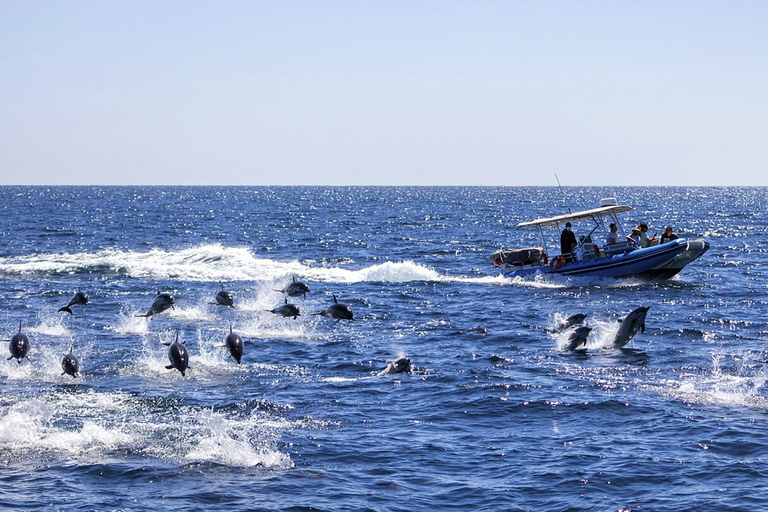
<point x="338" y="311"/>
<point x="177" y="354"/>
<point x="578" y="338"/>
<point x="70" y="364"/>
<point x="80" y="298"/>
<point x="287" y="310"/>
<point x="224" y="298"/>
<point x="572" y="320"/>
<point x="633" y="322"/>
<point x="234" y="345"/>
<point x="295" y="289"/>
<point x="19" y="346"/>
<point x="162" y="302"/>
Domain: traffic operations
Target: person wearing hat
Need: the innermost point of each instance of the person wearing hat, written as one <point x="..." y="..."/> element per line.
<point x="567" y="242"/>
<point x="635" y="236"/>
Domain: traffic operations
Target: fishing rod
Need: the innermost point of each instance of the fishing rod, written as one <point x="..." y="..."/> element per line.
<point x="564" y="195"/>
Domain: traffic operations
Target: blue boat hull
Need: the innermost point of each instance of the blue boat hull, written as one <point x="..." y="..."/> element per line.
<point x="657" y="262"/>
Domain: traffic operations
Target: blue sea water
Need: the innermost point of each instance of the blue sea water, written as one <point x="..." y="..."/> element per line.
<point x="499" y="418"/>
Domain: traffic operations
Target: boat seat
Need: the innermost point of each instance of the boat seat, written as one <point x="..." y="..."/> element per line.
<point x="620" y="248"/>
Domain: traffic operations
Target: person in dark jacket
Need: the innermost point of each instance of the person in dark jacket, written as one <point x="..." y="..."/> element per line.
<point x="567" y="242"/>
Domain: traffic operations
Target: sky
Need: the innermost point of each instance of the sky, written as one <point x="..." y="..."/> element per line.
<point x="390" y="92"/>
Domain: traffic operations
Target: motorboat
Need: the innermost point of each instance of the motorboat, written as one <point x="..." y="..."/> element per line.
<point x="594" y="259"/>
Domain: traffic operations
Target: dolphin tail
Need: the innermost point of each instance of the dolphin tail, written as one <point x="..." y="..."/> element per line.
<point x="66" y="309"/>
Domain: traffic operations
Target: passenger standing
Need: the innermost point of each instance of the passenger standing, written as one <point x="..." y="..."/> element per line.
<point x="567" y="242"/>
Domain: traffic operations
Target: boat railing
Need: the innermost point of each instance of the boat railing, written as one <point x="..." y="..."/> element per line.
<point x="619" y="248"/>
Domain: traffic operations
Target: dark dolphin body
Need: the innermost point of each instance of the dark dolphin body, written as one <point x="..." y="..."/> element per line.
<point x="572" y="320"/>
<point x="578" y="338"/>
<point x="79" y="299"/>
<point x="338" y="311"/>
<point x="225" y="298"/>
<point x="19" y="346"/>
<point x="401" y="365"/>
<point x="234" y="345"/>
<point x="286" y="310"/>
<point x="177" y="354"/>
<point x="162" y="302"/>
<point x="633" y="322"/>
<point x="295" y="289"/>
<point x="70" y="364"/>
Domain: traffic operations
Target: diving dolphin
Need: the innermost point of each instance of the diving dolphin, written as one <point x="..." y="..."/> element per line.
<point x="162" y="302"/>
<point x="19" y="346"/>
<point x="338" y="311"/>
<point x="286" y="310"/>
<point x="234" y="345"/>
<point x="224" y="298"/>
<point x="177" y="354"/>
<point x="633" y="322"/>
<point x="578" y="338"/>
<point x="70" y="364"/>
<point x="572" y="320"/>
<point x="78" y="299"/>
<point x="401" y="365"/>
<point x="295" y="289"/>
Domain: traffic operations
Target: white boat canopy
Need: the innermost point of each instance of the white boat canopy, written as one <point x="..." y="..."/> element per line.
<point x="603" y="211"/>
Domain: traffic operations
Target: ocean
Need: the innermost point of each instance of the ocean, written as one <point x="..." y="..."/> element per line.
<point x="495" y="416"/>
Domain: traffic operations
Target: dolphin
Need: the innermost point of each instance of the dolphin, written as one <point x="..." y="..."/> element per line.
<point x="572" y="320"/>
<point x="295" y="289"/>
<point x="162" y="302"/>
<point x="234" y="345"/>
<point x="224" y="298"/>
<point x="177" y="354"/>
<point x="338" y="311"/>
<point x="286" y="310"/>
<point x="401" y="365"/>
<point x="633" y="322"/>
<point x="578" y="338"/>
<point x="19" y="346"/>
<point x="70" y="364"/>
<point x="80" y="298"/>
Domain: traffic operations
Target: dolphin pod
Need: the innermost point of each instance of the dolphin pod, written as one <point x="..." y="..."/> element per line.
<point x="80" y="298"/>
<point x="633" y="323"/>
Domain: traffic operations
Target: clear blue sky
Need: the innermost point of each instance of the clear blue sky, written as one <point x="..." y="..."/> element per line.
<point x="384" y="93"/>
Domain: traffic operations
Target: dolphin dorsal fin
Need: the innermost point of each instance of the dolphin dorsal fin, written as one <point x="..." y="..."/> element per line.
<point x="286" y="300"/>
<point x="19" y="325"/>
<point x="334" y="299"/>
<point x="230" y="328"/>
<point x="294" y="279"/>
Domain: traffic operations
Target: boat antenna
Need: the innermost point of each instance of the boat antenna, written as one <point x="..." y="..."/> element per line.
<point x="563" y="191"/>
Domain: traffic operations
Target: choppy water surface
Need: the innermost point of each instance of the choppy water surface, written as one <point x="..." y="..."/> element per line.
<point x="498" y="418"/>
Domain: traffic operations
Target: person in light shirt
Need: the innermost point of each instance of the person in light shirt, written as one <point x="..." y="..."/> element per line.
<point x="613" y="235"/>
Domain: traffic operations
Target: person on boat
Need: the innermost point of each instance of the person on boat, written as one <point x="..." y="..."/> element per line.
<point x="635" y="237"/>
<point x="644" y="240"/>
<point x="567" y="242"/>
<point x="668" y="235"/>
<point x="613" y="235"/>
